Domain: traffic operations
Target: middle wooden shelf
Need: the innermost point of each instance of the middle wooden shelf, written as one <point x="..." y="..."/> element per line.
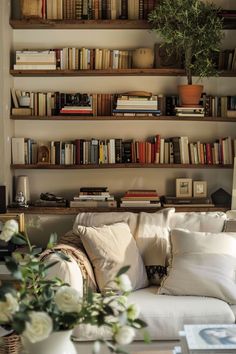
<point x="116" y="165"/>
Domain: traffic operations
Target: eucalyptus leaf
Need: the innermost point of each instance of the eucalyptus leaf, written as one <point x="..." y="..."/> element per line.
<point x="18" y="240"/>
<point x="123" y="270"/>
<point x="62" y="255"/>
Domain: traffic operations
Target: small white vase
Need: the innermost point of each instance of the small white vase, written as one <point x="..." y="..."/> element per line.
<point x="56" y="343"/>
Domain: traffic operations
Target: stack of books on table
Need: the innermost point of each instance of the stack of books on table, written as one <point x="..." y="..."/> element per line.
<point x="189" y="111"/>
<point x="136" y="105"/>
<point x="94" y="197"/>
<point x="189" y="202"/>
<point x="208" y="339"/>
<point x="144" y="198"/>
<point x="35" y="60"/>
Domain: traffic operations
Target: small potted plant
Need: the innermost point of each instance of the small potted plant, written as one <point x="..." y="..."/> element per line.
<point x="193" y="29"/>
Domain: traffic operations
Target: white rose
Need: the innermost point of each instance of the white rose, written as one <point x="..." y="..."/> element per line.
<point x="39" y="327"/>
<point x="68" y="299"/>
<point x="125" y="335"/>
<point x="8" y="308"/>
<point x="133" y="312"/>
<point x="9" y="229"/>
<point x="124" y="283"/>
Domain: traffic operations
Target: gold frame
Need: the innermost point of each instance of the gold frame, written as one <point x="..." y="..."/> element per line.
<point x="18" y="217"/>
<point x="183" y="187"/>
<point x="199" y="189"/>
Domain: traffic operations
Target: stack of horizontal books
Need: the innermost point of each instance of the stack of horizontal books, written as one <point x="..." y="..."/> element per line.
<point x="144" y="198"/>
<point x="35" y="60"/>
<point x="93" y="197"/>
<point x="136" y="104"/>
<point x="207" y="339"/>
<point x="189" y="111"/>
<point x="189" y="202"/>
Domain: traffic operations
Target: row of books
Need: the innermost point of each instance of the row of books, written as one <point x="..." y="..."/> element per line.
<point x="115" y="150"/>
<point x="227" y="60"/>
<point x="94" y="9"/>
<point x="73" y="59"/>
<point x="56" y="103"/>
<point x="107" y="104"/>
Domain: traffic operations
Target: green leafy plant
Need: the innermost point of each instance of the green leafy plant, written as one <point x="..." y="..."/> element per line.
<point x="40" y="305"/>
<point x="193" y="29"/>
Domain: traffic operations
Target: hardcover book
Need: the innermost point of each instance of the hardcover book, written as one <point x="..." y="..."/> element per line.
<point x="211" y="338"/>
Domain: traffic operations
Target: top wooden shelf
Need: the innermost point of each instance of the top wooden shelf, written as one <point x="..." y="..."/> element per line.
<point x="33" y="23"/>
<point x="79" y="24"/>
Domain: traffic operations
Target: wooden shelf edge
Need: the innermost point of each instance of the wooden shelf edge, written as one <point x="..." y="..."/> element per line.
<point x="78" y="24"/>
<point x="74" y="211"/>
<point x="110" y="72"/>
<point x="115" y="165"/>
<point x="91" y="24"/>
<point x="115" y="118"/>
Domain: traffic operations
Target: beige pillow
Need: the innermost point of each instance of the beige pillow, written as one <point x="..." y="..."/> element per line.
<point x="202" y="264"/>
<point x="109" y="248"/>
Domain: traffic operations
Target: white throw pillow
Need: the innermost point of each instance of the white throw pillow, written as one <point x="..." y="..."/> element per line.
<point x="202" y="264"/>
<point x="109" y="248"/>
<point x="152" y="237"/>
<point x="199" y="221"/>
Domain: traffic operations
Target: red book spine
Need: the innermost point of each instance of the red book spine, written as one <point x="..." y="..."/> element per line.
<point x="208" y="154"/>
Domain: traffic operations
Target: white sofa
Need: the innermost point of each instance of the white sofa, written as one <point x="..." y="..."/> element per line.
<point x="164" y="314"/>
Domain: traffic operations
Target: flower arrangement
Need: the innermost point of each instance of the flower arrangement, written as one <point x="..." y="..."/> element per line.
<point x="40" y="306"/>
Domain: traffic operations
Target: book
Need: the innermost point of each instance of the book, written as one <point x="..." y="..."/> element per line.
<point x="18" y="150"/>
<point x="21" y="111"/>
<point x="211" y="338"/>
<point x="93" y="203"/>
<point x="192" y="200"/>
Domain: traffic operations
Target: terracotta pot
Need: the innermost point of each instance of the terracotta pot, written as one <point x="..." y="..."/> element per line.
<point x="143" y="58"/>
<point x="190" y="94"/>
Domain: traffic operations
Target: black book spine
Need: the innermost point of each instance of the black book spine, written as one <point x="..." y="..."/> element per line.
<point x="124" y="10"/>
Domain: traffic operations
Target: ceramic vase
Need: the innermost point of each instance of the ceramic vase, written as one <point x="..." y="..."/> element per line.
<point x="56" y="343"/>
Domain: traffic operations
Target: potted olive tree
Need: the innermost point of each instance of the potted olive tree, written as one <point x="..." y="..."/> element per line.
<point x="194" y="29"/>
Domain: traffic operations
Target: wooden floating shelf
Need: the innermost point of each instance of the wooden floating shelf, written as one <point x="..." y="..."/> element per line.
<point x="92" y="24"/>
<point x="75" y="211"/>
<point x="115" y="118"/>
<point x="79" y="24"/>
<point x="115" y="165"/>
<point x="110" y="72"/>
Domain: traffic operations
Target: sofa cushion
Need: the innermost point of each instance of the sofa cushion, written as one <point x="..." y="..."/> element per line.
<point x="109" y="248"/>
<point x="106" y="218"/>
<point x="166" y="315"/>
<point x="202" y="264"/>
<point x="152" y="237"/>
<point x="199" y="221"/>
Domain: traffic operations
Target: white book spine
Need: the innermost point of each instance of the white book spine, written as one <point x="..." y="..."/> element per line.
<point x="18" y="151"/>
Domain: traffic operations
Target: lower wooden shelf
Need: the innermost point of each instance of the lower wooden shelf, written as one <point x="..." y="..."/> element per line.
<point x="74" y="211"/>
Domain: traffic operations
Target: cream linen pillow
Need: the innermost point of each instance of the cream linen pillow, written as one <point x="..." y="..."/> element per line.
<point x="202" y="264"/>
<point x="109" y="248"/>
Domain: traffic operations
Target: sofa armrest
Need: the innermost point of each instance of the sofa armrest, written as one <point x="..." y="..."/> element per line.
<point x="78" y="272"/>
<point x="68" y="272"/>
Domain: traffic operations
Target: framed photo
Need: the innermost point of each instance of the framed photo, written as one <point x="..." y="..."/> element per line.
<point x="18" y="217"/>
<point x="199" y="189"/>
<point x="183" y="187"/>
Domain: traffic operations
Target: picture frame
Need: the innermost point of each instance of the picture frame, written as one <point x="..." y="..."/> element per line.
<point x="18" y="217"/>
<point x="183" y="187"/>
<point x="199" y="189"/>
